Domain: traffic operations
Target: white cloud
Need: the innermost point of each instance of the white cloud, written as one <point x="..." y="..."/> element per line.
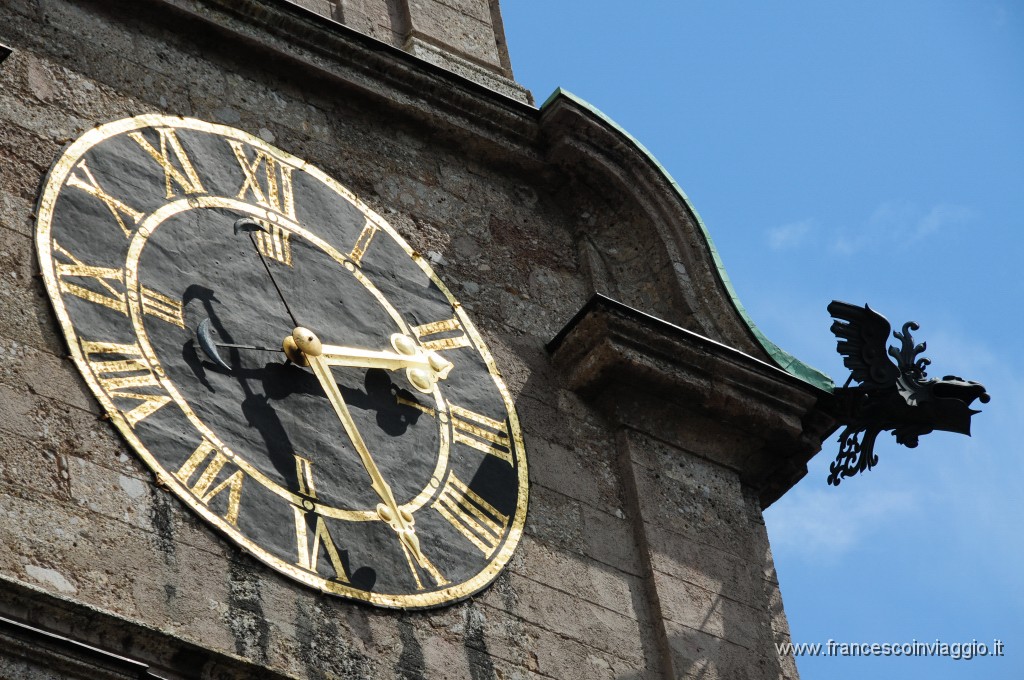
<point x="844" y="245"/>
<point x="789" y="236"/>
<point x="900" y="224"/>
<point x="940" y="217"/>
<point x="822" y="523"/>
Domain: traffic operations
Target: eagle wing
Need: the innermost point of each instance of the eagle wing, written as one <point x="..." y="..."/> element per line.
<point x="863" y="334"/>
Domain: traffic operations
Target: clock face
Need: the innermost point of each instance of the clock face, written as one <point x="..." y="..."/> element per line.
<point x="379" y="457"/>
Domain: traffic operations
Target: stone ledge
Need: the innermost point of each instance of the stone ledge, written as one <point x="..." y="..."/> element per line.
<point x="632" y="364"/>
<point x="39" y="628"/>
<point x="446" y="59"/>
<point x="344" y="54"/>
<point x="37" y="649"/>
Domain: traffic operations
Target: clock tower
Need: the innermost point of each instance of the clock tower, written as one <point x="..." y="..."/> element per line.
<point x="325" y="353"/>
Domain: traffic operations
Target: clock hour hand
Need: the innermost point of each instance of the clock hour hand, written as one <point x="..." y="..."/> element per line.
<point x="399" y="519"/>
<point x="422" y="368"/>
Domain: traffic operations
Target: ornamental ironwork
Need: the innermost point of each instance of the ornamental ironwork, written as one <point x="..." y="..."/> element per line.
<point x="890" y="395"/>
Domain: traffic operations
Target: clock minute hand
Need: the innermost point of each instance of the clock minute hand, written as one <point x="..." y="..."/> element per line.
<point x="248" y="226"/>
<point x="326" y="378"/>
<point x="399" y="519"/>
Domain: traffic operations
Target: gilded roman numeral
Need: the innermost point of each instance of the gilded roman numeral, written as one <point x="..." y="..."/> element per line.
<point x="402" y="401"/>
<point x="273" y="243"/>
<point x="186" y="177"/>
<point x="473" y="429"/>
<point x="208" y="455"/>
<point x="162" y="307"/>
<point x="426" y="332"/>
<point x="87" y="183"/>
<point x="304" y="473"/>
<point x="110" y="281"/>
<point x="363" y="242"/>
<point x="309" y="556"/>
<point x="123" y="377"/>
<point x="482" y="433"/>
<point x="102" y="277"/>
<point x="475" y="518"/>
<point x="275" y="190"/>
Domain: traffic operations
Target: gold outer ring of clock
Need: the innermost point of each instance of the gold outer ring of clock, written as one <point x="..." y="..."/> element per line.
<point x="57" y="182"/>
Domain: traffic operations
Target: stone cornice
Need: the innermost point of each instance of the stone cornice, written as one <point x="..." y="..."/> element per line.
<point x="581" y="136"/>
<point x="334" y="51"/>
<point x="641" y="370"/>
<point x="57" y="634"/>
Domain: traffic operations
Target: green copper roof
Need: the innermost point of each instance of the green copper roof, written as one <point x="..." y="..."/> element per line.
<point x="784" y="359"/>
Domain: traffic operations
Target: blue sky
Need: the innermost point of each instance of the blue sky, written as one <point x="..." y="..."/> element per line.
<point x="868" y="152"/>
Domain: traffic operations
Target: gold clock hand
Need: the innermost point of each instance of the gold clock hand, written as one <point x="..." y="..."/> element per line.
<point x="399" y="519"/>
<point x="423" y="368"/>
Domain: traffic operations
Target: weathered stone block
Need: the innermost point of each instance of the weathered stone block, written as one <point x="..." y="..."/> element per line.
<point x="23" y="147"/>
<point x="548" y="421"/>
<point x="322" y="7"/>
<point x="709" y="612"/>
<point x="597" y="626"/>
<point x="555" y="518"/>
<point x="691" y="433"/>
<point x="72" y="550"/>
<point x="583" y="472"/>
<point x="48" y="122"/>
<point x="612" y="540"/>
<point x="465" y="34"/>
<point x="374" y="18"/>
<point x="697" y="655"/>
<point x="478" y="9"/>
<point x="707" y="507"/>
<point x="16" y="214"/>
<point x="43" y="373"/>
<point x="581" y="577"/>
<point x="708" y="567"/>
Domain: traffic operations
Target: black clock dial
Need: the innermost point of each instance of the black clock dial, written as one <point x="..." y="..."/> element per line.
<point x="377" y="456"/>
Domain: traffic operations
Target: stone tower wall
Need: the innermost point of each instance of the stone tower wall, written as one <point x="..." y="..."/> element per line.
<point x="645" y="554"/>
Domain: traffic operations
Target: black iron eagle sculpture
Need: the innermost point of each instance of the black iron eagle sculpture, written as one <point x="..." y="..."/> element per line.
<point x="890" y="396"/>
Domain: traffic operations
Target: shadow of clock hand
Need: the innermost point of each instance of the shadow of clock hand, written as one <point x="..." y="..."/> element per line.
<point x="260" y="414"/>
<point x="283" y="380"/>
<point x="393" y="417"/>
<point x="256" y="407"/>
<point x="190" y="353"/>
<point x="378" y="394"/>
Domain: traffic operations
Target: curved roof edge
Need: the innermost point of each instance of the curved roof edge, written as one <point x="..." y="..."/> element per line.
<point x="781" y="357"/>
